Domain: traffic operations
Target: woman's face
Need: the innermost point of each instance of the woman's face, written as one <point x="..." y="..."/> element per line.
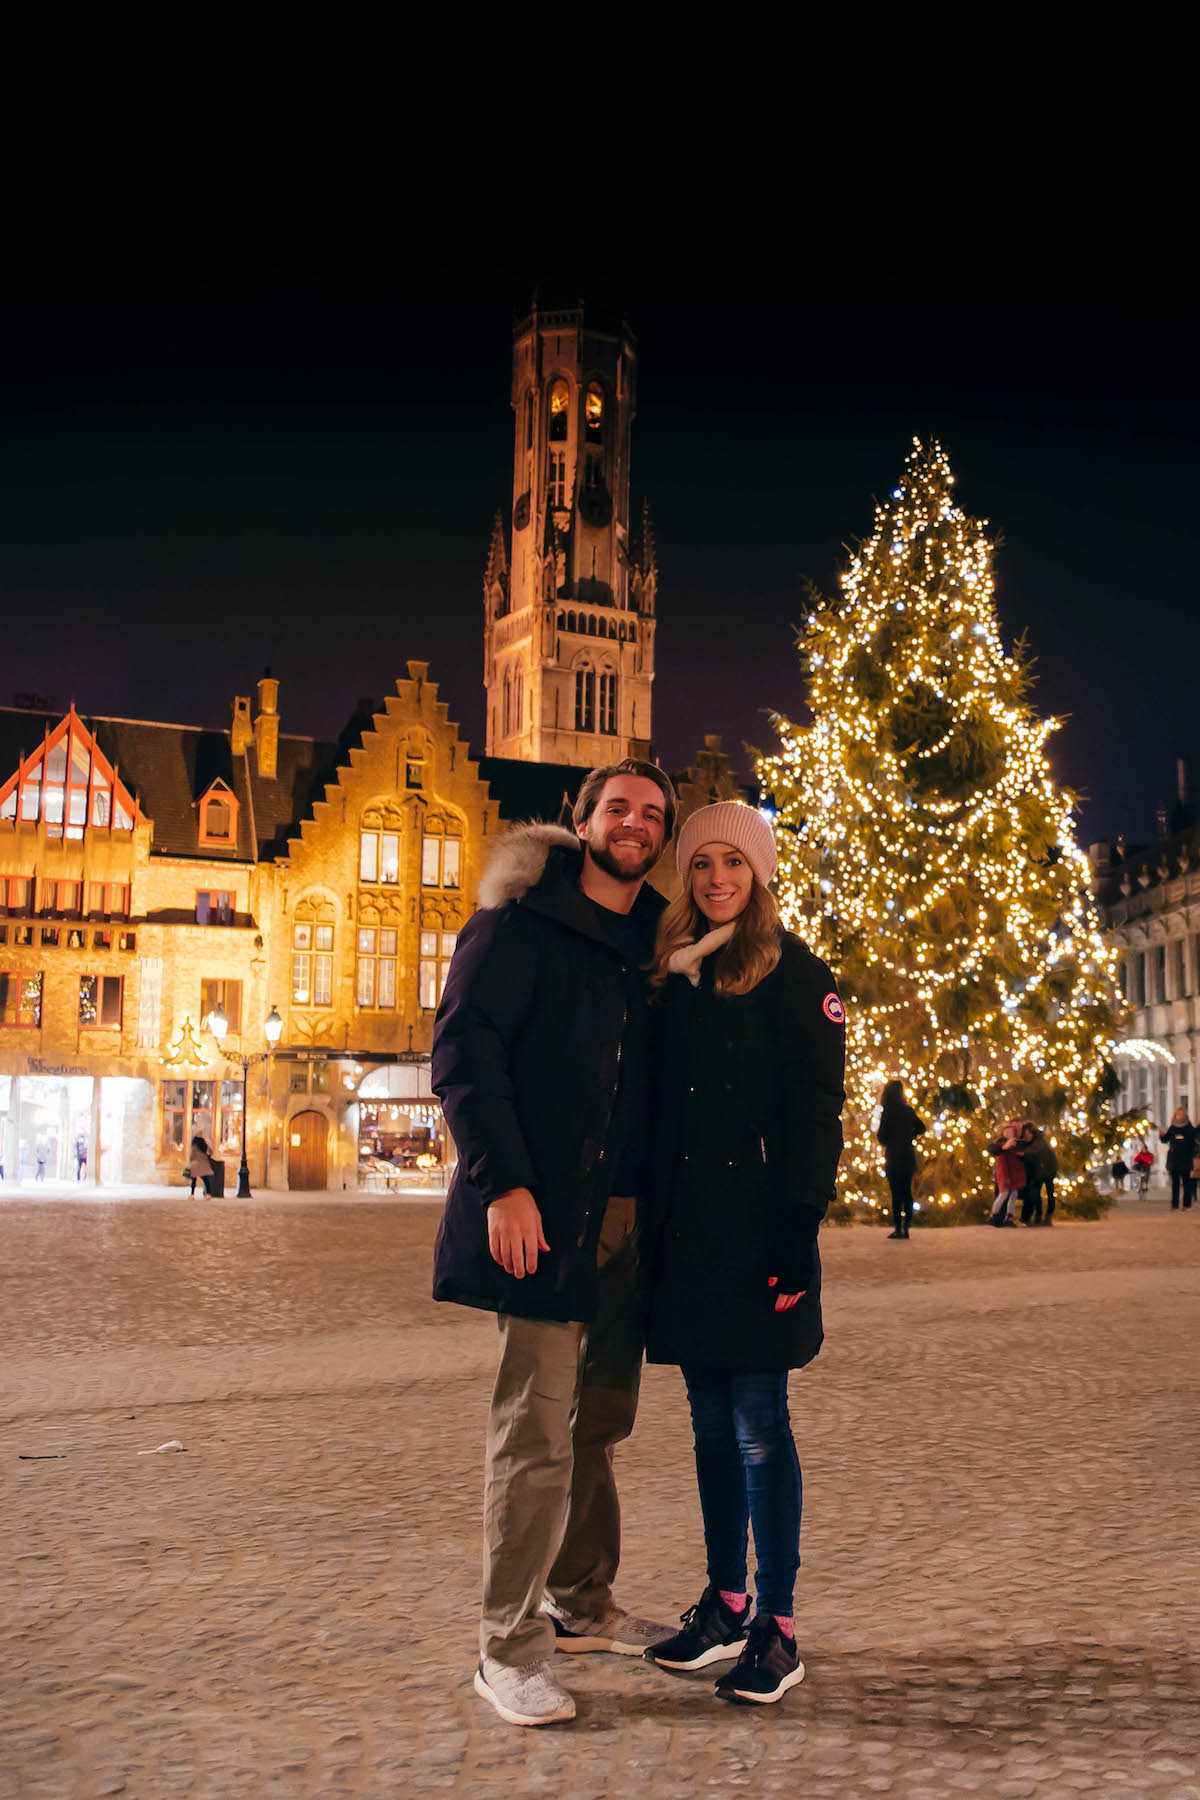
<point x="721" y="882"/>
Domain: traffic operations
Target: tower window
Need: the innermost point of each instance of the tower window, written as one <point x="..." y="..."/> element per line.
<point x="529" y="421"/>
<point x="593" y="412"/>
<point x="556" y="479"/>
<point x="518" y="700"/>
<point x="559" y="403"/>
<point x="508" y="724"/>
<point x="608" y="703"/>
<point x="585" y="700"/>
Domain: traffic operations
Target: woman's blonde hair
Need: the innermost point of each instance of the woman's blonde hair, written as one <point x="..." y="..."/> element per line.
<point x="739" y="965"/>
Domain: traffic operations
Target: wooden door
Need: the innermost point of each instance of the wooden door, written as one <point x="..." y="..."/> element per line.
<point x="308" y="1150"/>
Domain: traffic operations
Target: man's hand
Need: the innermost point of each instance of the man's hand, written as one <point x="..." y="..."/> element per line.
<point x="784" y="1302"/>
<point x="515" y="1232"/>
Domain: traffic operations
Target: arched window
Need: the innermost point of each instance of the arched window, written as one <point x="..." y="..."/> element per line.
<point x="632" y="631"/>
<point x="608" y="703"/>
<point x="591" y="626"/>
<point x="560" y="401"/>
<point x="593" y="412"/>
<point x="585" y="700"/>
<point x="518" y="700"/>
<point x="570" y="621"/>
<point x="612" y="628"/>
<point x="562" y="621"/>
<point x="507" y="703"/>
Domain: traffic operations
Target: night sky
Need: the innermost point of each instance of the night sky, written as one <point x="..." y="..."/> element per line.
<point x="188" y="495"/>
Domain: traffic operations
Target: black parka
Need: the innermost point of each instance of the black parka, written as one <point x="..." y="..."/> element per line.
<point x="898" y="1126"/>
<point x="1181" y="1146"/>
<point x="526" y="1063"/>
<point x="747" y="1133"/>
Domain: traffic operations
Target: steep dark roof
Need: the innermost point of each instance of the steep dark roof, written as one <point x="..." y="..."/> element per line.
<point x="169" y="767"/>
<point x="529" y="790"/>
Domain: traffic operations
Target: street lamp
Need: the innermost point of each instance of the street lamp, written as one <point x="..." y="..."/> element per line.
<point x="218" y="1024"/>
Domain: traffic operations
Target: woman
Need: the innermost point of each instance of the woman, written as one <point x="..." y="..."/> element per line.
<point x="750" y="1053"/>
<point x="898" y="1126"/>
<point x="1180" y="1139"/>
<point x="199" y="1168"/>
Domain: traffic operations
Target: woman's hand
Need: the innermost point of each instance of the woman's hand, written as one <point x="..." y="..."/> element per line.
<point x="784" y="1302"/>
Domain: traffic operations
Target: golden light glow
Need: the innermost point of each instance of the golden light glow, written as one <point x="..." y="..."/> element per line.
<point x="558" y="398"/>
<point x="927" y="853"/>
<point x="593" y="405"/>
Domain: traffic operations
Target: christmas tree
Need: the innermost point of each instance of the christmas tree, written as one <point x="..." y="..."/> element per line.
<point x="928" y="854"/>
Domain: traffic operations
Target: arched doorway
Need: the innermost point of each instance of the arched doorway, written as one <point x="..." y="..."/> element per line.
<point x="308" y="1151"/>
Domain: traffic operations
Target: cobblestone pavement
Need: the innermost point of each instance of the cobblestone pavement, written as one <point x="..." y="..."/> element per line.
<point x="1001" y="1583"/>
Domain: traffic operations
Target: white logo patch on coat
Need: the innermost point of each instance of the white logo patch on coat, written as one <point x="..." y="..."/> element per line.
<point x="833" y="1009"/>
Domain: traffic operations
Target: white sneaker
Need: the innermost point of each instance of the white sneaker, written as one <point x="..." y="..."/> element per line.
<point x="527" y="1695"/>
<point x="618" y="1631"/>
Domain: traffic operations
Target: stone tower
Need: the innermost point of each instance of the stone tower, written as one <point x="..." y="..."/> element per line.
<point x="569" y="617"/>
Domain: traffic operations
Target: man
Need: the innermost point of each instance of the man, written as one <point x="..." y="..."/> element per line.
<point x="538" y="1060"/>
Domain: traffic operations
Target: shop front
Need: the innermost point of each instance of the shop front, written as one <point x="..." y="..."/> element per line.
<point x="403" y="1143"/>
<point x="64" y="1123"/>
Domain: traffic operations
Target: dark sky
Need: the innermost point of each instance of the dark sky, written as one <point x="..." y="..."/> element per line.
<point x="187" y="495"/>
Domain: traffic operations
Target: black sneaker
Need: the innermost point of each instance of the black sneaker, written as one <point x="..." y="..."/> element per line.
<point x="768" y="1666"/>
<point x="712" y="1632"/>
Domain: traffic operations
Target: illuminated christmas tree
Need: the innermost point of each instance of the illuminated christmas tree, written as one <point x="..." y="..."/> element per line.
<point x="928" y="854"/>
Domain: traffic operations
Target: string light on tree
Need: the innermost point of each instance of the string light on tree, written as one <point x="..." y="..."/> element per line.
<point x="926" y="851"/>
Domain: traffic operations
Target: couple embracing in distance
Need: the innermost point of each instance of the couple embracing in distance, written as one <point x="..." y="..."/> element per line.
<point x="646" y="1102"/>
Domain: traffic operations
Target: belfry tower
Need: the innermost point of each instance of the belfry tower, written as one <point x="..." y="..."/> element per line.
<point x="569" y="618"/>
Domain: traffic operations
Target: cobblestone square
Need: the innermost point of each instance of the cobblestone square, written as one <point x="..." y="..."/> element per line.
<point x="1001" y="1582"/>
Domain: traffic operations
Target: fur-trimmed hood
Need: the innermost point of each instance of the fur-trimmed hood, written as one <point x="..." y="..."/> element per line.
<point x="519" y="861"/>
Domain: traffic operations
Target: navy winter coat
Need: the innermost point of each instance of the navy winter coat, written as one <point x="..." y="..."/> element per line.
<point x="747" y="1132"/>
<point x="526" y="1064"/>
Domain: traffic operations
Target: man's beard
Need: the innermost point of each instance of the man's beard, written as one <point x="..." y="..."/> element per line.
<point x="604" y="859"/>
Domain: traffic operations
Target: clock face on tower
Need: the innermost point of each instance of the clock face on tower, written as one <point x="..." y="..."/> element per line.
<point x="521" y="512"/>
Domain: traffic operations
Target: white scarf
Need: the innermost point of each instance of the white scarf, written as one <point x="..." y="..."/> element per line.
<point x="687" y="959"/>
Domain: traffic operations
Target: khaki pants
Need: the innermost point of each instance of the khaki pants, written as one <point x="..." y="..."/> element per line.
<point x="564" y="1396"/>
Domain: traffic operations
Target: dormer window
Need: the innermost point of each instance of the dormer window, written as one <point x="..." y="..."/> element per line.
<point x="218" y="816"/>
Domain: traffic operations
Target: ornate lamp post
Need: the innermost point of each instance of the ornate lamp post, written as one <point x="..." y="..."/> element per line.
<point x="218" y="1024"/>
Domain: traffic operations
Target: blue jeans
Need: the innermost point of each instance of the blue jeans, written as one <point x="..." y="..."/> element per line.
<point x="748" y="1473"/>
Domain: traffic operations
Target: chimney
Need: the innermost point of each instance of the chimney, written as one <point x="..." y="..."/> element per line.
<point x="266" y="726"/>
<point x="242" y="731"/>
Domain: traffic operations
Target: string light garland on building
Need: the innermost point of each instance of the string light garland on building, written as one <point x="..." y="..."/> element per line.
<point x="926" y="851"/>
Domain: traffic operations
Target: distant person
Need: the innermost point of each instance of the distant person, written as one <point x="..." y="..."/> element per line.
<point x="1119" y="1172"/>
<point x="1180" y="1139"/>
<point x="81" y="1153"/>
<point x="41" y="1156"/>
<point x="1143" y="1162"/>
<point x="898" y="1126"/>
<point x="1041" y="1169"/>
<point x="199" y="1166"/>
<point x="1010" y="1173"/>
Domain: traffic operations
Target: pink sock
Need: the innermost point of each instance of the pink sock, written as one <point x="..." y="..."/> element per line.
<point x="787" y="1626"/>
<point x="735" y="1602"/>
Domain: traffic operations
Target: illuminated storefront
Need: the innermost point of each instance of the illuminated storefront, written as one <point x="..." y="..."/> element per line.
<point x="403" y="1142"/>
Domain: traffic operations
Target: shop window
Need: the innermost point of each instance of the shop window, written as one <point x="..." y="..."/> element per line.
<point x="100" y="1001"/>
<point x="375" y="983"/>
<point x="228" y="996"/>
<point x="560" y="402"/>
<point x="322" y="1078"/>
<point x="174" y="1111"/>
<point x="20" y="998"/>
<point x="593" y="412"/>
<point x="204" y="1094"/>
<point x="379" y="857"/>
<point x="229" y="1135"/>
<point x="437" y="947"/>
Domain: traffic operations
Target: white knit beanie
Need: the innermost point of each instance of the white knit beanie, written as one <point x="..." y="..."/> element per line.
<point x="729" y="822"/>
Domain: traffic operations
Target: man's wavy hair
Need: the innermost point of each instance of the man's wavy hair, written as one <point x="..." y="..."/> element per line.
<point x="593" y="787"/>
<point x="739" y="965"/>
